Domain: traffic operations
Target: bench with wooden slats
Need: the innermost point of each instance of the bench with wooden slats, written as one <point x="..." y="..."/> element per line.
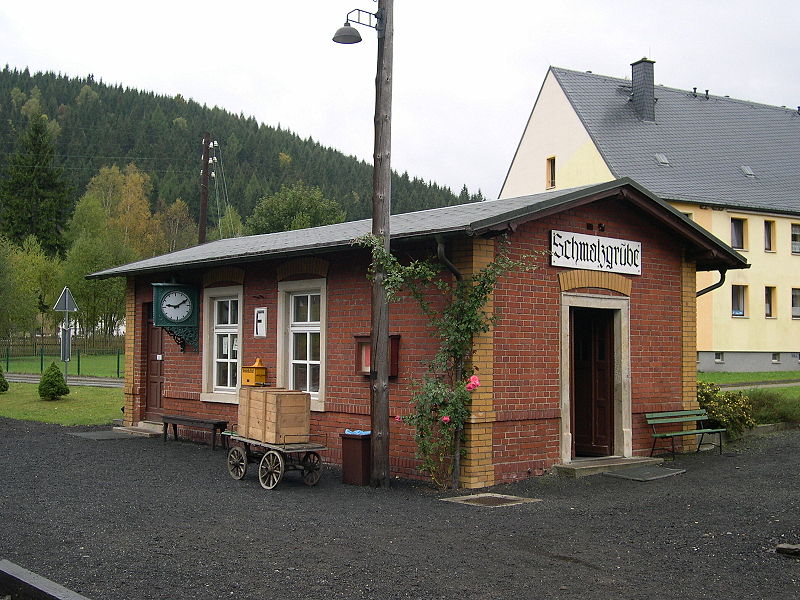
<point x="211" y="425"/>
<point x="659" y="420"/>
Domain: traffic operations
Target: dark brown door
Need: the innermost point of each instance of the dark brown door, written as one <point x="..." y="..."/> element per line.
<point x="155" y="369"/>
<point x="592" y="381"/>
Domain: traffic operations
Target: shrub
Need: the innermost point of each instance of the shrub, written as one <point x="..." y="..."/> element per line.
<point x="52" y="385"/>
<point x="731" y="410"/>
<point x="3" y="382"/>
<point x="773" y="406"/>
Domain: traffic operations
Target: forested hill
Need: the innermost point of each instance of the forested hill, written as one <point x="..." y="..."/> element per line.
<point x="103" y="125"/>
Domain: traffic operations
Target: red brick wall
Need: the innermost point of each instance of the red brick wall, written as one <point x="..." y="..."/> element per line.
<point x="526" y="345"/>
<point x="347" y="399"/>
<point x="527" y="337"/>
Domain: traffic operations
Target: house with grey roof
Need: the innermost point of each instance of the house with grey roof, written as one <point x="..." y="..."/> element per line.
<point x="577" y="354"/>
<point x="730" y="165"/>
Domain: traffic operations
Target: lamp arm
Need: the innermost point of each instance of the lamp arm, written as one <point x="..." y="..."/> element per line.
<point x="374" y="20"/>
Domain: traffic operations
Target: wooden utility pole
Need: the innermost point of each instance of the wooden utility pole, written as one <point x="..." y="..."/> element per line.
<point x="381" y="207"/>
<point x="201" y="230"/>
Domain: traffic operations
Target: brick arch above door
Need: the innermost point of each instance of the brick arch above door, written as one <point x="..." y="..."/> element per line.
<point x="573" y="280"/>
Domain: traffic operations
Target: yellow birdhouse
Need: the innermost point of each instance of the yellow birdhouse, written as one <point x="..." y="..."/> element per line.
<point x="255" y="374"/>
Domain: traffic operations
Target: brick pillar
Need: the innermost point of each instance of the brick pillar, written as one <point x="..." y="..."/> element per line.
<point x="132" y="406"/>
<point x="689" y="343"/>
<point x="477" y="468"/>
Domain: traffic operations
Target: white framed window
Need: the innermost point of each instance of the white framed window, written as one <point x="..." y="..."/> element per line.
<point x="738" y="233"/>
<point x="795" y="238"/>
<point x="226" y="344"/>
<point x="222" y="351"/>
<point x="302" y="308"/>
<point x="719" y="357"/>
<point x="739" y="300"/>
<point x="776" y="358"/>
<point x="304" y="333"/>
<point x="796" y="303"/>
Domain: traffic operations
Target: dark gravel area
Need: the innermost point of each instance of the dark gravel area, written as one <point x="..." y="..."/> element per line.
<point x="137" y="518"/>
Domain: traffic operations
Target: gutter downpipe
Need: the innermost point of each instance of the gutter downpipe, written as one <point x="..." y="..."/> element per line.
<point x="711" y="288"/>
<point x="459" y="365"/>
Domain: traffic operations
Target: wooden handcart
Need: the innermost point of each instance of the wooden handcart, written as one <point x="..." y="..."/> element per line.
<point x="274" y="460"/>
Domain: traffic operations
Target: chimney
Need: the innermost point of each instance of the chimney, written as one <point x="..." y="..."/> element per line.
<point x="643" y="89"/>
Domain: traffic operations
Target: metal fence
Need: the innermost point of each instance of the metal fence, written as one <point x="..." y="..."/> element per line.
<point x="90" y="356"/>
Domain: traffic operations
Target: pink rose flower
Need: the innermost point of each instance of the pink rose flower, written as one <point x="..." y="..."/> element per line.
<point x="475" y="381"/>
<point x="398" y="418"/>
<point x="445" y="419"/>
<point x="470" y="387"/>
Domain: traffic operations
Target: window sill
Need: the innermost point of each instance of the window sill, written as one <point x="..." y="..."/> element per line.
<point x="739" y="317"/>
<point x="220" y="397"/>
<point x="770" y="251"/>
<point x="770" y="318"/>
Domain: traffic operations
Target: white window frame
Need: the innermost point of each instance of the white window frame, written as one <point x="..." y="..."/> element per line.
<point x="719" y="357"/>
<point x="210" y="393"/>
<point x="286" y="291"/>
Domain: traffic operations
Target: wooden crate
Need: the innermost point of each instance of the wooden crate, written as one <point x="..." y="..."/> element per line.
<point x="274" y="415"/>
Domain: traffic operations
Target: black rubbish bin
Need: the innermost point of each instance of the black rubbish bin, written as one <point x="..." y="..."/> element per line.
<point x="356" y="458"/>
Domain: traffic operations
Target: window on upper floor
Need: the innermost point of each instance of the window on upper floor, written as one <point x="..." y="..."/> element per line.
<point x="738" y="233"/>
<point x="739" y="300"/>
<point x="769" y="301"/>
<point x="550" y="173"/>
<point x="769" y="236"/>
<point x="796" y="303"/>
<point x="795" y="238"/>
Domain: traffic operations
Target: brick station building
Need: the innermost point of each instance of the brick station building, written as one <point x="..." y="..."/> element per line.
<point x="602" y="331"/>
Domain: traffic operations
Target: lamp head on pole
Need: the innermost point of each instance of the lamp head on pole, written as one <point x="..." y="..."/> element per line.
<point x="347" y="34"/>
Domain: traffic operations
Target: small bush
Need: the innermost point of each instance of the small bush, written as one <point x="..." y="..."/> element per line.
<point x="771" y="406"/>
<point x="731" y="410"/>
<point x="3" y="382"/>
<point x="52" y="385"/>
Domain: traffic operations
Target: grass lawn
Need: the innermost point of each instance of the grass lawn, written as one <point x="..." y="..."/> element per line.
<point x="745" y="378"/>
<point x="83" y="406"/>
<point x="98" y="365"/>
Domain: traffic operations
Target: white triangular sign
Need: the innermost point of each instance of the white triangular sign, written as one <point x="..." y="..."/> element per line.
<point x="66" y="303"/>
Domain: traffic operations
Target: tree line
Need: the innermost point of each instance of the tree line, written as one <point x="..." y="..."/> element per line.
<point x="94" y="176"/>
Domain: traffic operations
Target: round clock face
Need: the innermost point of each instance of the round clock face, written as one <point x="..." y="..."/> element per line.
<point x="176" y="306"/>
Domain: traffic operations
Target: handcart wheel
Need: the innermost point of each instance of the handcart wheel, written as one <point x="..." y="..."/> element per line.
<point x="237" y="462"/>
<point x="270" y="469"/>
<point x="312" y="468"/>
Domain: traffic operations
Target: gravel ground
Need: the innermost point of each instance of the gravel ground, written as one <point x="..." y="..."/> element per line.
<point x="136" y="518"/>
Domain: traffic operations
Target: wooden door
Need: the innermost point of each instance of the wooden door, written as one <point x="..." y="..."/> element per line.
<point x="592" y="385"/>
<point x="154" y="377"/>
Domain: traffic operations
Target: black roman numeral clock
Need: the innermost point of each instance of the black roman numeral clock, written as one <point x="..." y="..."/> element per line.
<point x="175" y="310"/>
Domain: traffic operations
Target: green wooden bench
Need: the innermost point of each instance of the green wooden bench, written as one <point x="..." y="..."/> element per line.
<point x="658" y="420"/>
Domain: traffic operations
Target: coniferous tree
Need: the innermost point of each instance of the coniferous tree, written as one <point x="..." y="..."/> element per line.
<point x="34" y="196"/>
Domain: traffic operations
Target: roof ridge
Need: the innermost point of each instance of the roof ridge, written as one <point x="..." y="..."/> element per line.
<point x="660" y="86"/>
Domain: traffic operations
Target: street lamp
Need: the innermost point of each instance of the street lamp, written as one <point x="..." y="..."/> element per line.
<point x="382" y="22"/>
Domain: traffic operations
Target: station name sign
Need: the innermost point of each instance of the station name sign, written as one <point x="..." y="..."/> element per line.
<point x="581" y="251"/>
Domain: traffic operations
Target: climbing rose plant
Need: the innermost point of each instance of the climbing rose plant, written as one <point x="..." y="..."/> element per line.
<point x="441" y="399"/>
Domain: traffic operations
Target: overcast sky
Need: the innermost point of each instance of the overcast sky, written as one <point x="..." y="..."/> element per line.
<point x="466" y="72"/>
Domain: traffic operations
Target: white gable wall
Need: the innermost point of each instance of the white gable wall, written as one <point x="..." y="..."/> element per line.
<point x="554" y="129"/>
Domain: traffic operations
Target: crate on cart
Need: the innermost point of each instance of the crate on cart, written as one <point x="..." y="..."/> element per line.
<point x="274" y="415"/>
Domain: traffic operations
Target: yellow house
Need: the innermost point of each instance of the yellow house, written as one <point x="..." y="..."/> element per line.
<point x="733" y="166"/>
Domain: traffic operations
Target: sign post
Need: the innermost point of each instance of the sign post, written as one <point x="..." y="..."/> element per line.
<point x="66" y="304"/>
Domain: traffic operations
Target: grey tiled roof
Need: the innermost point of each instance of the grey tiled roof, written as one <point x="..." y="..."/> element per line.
<point x="468" y="219"/>
<point x="706" y="142"/>
<point x="414" y="224"/>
